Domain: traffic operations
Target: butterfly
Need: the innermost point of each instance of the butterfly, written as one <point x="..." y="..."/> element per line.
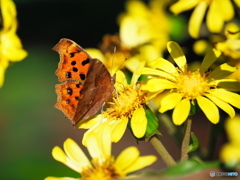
<point x="86" y="85"/>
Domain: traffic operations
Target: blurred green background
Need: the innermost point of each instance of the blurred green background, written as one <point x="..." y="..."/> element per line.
<point x="30" y="126"/>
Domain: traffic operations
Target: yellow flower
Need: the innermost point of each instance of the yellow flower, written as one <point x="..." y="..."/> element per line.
<point x="127" y="107"/>
<point x="10" y="44"/>
<point x="180" y="88"/>
<point x="144" y="26"/>
<point x="218" y="13"/>
<point x="103" y="165"/>
<point x="231" y="46"/>
<point x="230" y="152"/>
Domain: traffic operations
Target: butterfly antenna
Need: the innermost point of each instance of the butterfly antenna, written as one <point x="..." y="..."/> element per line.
<point x="114" y="51"/>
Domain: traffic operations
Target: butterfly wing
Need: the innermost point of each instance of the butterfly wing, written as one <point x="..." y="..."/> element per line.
<point x="97" y="90"/>
<point x="74" y="61"/>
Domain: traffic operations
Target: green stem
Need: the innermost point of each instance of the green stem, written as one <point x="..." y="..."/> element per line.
<point x="157" y="144"/>
<point x="186" y="140"/>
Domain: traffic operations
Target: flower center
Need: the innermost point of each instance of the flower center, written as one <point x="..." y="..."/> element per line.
<point x="103" y="171"/>
<point x="192" y="84"/>
<point x="125" y="102"/>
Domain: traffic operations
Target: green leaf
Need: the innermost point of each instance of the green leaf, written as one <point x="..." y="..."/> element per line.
<point x="189" y="166"/>
<point x="195" y="143"/>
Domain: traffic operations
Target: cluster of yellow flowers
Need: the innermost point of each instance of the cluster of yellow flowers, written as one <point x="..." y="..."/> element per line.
<point x="155" y="85"/>
<point x="143" y="37"/>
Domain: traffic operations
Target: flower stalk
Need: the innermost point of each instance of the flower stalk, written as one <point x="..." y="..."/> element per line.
<point x="161" y="150"/>
<point x="186" y="139"/>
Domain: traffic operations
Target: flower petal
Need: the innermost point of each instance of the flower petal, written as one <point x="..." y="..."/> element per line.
<point x="155" y="84"/>
<point x="229" y="97"/>
<point x="139" y="122"/>
<point x="163" y="64"/>
<point x="119" y="127"/>
<point x="183" y="5"/>
<point x="209" y="109"/>
<point x="75" y="154"/>
<point x="97" y="147"/>
<point x="127" y="157"/>
<point x="3" y="66"/>
<point x="228" y="84"/>
<point x="140" y="163"/>
<point x="209" y="59"/>
<point x="155" y="72"/>
<point x="222" y="71"/>
<point x="196" y="19"/>
<point x="93" y="147"/>
<point x="121" y="79"/>
<point x="223" y="105"/>
<point x="59" y="155"/>
<point x="169" y="101"/>
<point x="237" y="2"/>
<point x="88" y="123"/>
<point x="232" y="127"/>
<point x="181" y="111"/>
<point x="104" y="133"/>
<point x="177" y="54"/>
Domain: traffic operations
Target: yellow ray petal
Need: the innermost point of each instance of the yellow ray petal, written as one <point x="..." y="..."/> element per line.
<point x="177" y="54"/>
<point x="181" y="111"/>
<point x="75" y="154"/>
<point x="169" y="101"/>
<point x="223" y="105"/>
<point x="222" y="71"/>
<point x="155" y="72"/>
<point x="88" y="123"/>
<point x="196" y="19"/>
<point x="139" y="122"/>
<point x="237" y="2"/>
<point x="121" y="80"/>
<point x="127" y="157"/>
<point x="227" y="10"/>
<point x="140" y="163"/>
<point x="3" y="66"/>
<point x="154" y="85"/>
<point x="214" y="17"/>
<point x="209" y="109"/>
<point x="226" y="96"/>
<point x="104" y="133"/>
<point x="163" y="64"/>
<point x="209" y="59"/>
<point x="119" y="127"/>
<point x="228" y="84"/>
<point x="59" y="155"/>
<point x="183" y="5"/>
<point x="93" y="147"/>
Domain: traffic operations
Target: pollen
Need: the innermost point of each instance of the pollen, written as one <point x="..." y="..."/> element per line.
<point x="125" y="102"/>
<point x="104" y="170"/>
<point x="192" y="84"/>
